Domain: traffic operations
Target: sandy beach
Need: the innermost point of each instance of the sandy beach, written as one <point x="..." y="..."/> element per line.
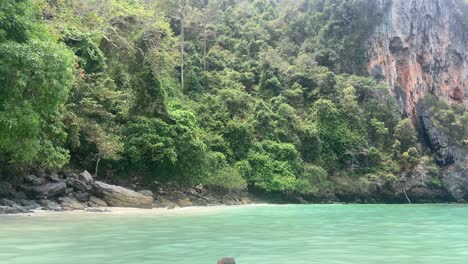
<point x="139" y="211"/>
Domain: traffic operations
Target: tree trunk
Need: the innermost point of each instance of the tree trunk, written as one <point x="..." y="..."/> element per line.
<point x="182" y="41"/>
<point x="98" y="159"/>
<point x="204" y="47"/>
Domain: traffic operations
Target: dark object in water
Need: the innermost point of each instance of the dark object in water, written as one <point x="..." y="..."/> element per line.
<point x="227" y="261"/>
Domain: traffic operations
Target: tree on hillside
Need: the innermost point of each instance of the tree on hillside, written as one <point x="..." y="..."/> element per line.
<point x="36" y="74"/>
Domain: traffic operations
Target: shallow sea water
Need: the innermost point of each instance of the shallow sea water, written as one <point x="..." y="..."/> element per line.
<point x="268" y="234"/>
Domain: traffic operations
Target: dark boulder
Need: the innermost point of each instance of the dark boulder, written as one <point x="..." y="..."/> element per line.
<point x="44" y="191"/>
<point x="69" y="190"/>
<point x="20" y="196"/>
<point x="34" y="180"/>
<point x="12" y="204"/>
<point x="9" y="210"/>
<point x="7" y="202"/>
<point x="50" y="205"/>
<point x="82" y="196"/>
<point x="54" y="178"/>
<point x="29" y="204"/>
<point x="68" y="175"/>
<point x="78" y="185"/>
<point x="6" y="190"/>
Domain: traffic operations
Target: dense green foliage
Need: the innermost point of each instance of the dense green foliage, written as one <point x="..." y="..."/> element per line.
<point x="452" y="120"/>
<point x="36" y="73"/>
<point x="268" y="100"/>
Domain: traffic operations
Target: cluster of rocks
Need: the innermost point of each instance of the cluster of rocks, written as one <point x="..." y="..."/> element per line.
<point x="67" y="191"/>
<point x="80" y="191"/>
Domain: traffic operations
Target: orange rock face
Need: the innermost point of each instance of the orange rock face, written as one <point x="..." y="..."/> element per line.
<point x="421" y="48"/>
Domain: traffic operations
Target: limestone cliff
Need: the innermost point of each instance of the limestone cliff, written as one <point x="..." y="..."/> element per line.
<point x="420" y="48"/>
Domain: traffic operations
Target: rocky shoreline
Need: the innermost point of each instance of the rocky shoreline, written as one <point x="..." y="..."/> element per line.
<point x="80" y="191"/>
<point x="68" y="191"/>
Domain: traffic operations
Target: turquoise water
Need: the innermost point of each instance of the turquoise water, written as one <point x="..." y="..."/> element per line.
<point x="253" y="235"/>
